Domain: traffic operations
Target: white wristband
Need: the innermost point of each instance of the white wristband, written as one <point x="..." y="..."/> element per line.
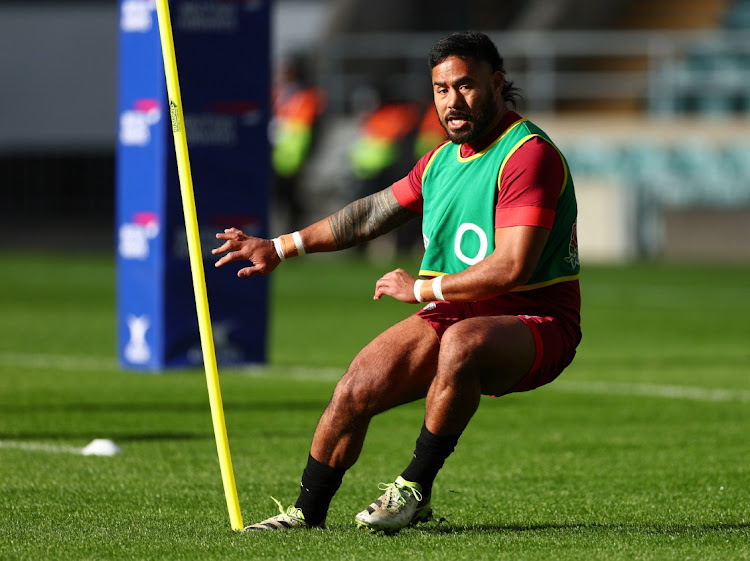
<point x="437" y="288"/>
<point x="298" y="243"/>
<point x="417" y="288"/>
<point x="279" y="251"/>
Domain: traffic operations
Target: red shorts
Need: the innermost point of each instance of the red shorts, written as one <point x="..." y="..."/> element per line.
<point x="556" y="340"/>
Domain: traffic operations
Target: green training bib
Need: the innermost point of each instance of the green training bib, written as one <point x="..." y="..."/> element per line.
<point x="460" y="194"/>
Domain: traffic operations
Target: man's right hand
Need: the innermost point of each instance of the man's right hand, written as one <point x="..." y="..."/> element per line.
<point x="238" y="245"/>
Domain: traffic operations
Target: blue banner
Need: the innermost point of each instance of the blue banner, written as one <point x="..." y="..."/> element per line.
<point x="223" y="61"/>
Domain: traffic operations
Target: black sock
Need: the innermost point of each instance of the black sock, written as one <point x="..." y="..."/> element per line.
<point x="429" y="456"/>
<point x="319" y="484"/>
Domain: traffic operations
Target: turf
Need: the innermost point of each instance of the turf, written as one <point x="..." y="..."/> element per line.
<point x="640" y="450"/>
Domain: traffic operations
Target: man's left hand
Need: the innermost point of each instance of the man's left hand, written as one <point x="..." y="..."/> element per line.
<point x="397" y="284"/>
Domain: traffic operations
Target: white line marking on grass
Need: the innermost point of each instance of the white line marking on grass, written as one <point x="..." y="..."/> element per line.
<point x="322" y="373"/>
<point x="568" y="386"/>
<point x="667" y="353"/>
<point x="97" y="447"/>
<point x="72" y="362"/>
<point x="650" y="390"/>
<point x="40" y="447"/>
<point x="58" y="362"/>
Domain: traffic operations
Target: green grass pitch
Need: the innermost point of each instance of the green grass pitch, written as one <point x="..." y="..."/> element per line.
<point x="641" y="450"/>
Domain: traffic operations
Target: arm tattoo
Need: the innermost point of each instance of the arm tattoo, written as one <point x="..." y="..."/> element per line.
<point x="368" y="218"/>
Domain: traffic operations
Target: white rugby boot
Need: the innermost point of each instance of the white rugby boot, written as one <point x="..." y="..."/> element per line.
<point x="287" y="520"/>
<point x="401" y="505"/>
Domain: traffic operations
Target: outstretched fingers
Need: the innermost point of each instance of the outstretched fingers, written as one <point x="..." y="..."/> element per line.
<point x="231" y="246"/>
<point x="238" y="246"/>
<point x="249" y="271"/>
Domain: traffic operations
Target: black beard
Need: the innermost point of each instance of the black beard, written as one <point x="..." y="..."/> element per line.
<point x="487" y="114"/>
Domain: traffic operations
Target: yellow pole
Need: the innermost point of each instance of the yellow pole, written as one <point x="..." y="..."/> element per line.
<point x="196" y="263"/>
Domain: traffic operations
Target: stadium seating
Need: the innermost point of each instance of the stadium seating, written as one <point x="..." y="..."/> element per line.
<point x="738" y="15"/>
<point x="691" y="173"/>
<point x="711" y="76"/>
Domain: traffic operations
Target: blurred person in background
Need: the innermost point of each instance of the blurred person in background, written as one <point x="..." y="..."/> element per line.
<point x="297" y="109"/>
<point x="430" y="132"/>
<point x="382" y="152"/>
<point x="500" y="283"/>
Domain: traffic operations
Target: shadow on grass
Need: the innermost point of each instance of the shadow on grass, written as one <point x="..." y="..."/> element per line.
<point x="676" y="529"/>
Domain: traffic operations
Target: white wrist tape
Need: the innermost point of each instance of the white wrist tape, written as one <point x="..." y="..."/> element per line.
<point x="298" y="243"/>
<point x="437" y="288"/>
<point x="279" y="251"/>
<point x="417" y="288"/>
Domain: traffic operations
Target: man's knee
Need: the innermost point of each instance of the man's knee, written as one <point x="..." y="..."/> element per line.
<point x="460" y="345"/>
<point x="354" y="396"/>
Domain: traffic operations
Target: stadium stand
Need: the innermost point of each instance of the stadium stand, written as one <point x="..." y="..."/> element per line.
<point x="648" y="95"/>
<point x="672" y="14"/>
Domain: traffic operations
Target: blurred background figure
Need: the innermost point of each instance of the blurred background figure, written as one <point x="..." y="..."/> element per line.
<point x="382" y="151"/>
<point x="430" y="132"/>
<point x="297" y="109"/>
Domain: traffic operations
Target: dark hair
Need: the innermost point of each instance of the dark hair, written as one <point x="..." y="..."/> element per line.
<point x="476" y="45"/>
